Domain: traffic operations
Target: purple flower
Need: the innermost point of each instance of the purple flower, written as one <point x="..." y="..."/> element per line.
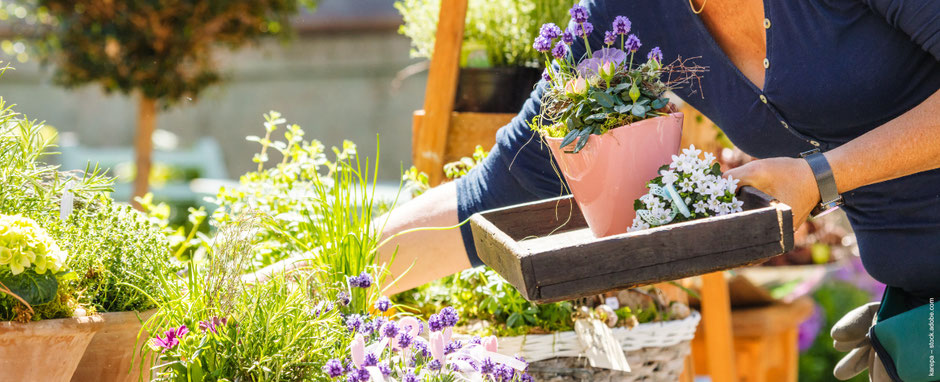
<point x="450" y="316"/>
<point x="370" y="360"/>
<point x="610" y="38"/>
<point x="366" y="328"/>
<point x="171" y="339"/>
<point x="343" y="298"/>
<point x="390" y="329"/>
<point x="383" y="304"/>
<point x="385" y="369"/>
<point x="504" y="373"/>
<point x="583" y="29"/>
<point x="546" y="76"/>
<point x="436" y="323"/>
<point x="809" y="329"/>
<point x="567" y="37"/>
<point x="488" y="366"/>
<point x="526" y="378"/>
<point x="422" y="347"/>
<point x="410" y="377"/>
<point x="404" y="339"/>
<point x="655" y="54"/>
<point x="622" y="25"/>
<point x="213" y="324"/>
<point x="579" y="14"/>
<point x="353" y="322"/>
<point x="358" y="375"/>
<point x="475" y="340"/>
<point x="633" y="43"/>
<point x="559" y="52"/>
<point x="542" y="44"/>
<point x="364" y="280"/>
<point x="333" y="368"/>
<point x="435" y="365"/>
<point x="453" y="347"/>
<point x="550" y="31"/>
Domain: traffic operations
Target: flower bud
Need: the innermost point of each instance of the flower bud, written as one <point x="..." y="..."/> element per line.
<point x="607" y="70"/>
<point x="576" y="87"/>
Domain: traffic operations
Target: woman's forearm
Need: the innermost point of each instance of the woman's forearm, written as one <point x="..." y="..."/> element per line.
<point x="906" y="145"/>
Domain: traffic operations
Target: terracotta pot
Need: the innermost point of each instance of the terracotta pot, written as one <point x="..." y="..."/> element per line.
<point x="115" y="350"/>
<point x="611" y="171"/>
<point x="47" y="350"/>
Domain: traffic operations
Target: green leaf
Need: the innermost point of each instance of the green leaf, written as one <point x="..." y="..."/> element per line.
<point x="604" y="99"/>
<point x="582" y="139"/>
<point x="599" y="117"/>
<point x="624" y="109"/>
<point x="620" y="87"/>
<point x="572" y="134"/>
<point x="660" y="103"/>
<point x="34" y="288"/>
<point x="639" y="110"/>
<point x="513" y="319"/>
<point x="634" y="93"/>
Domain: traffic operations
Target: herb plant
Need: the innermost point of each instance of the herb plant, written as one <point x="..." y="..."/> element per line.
<point x="498" y="28"/>
<point x="607" y="88"/>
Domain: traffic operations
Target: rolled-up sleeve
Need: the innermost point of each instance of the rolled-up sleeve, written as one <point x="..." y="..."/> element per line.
<point x="919" y="19"/>
<point x="519" y="167"/>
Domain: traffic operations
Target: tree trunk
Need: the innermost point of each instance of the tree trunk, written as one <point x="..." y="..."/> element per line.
<point x="143" y="145"/>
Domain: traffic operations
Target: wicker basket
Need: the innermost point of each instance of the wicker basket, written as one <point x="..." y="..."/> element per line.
<point x="656" y="351"/>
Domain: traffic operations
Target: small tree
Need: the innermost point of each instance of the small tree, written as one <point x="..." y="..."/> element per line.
<point x="157" y="50"/>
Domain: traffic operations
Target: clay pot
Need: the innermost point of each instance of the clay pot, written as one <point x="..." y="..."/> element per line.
<point x="47" y="350"/>
<point x="611" y="171"/>
<point x="115" y="349"/>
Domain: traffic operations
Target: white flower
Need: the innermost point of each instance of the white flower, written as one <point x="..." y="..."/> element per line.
<point x="638" y="224"/>
<point x="686" y="185"/>
<point x="731" y="184"/>
<point x="714" y="205"/>
<point x="669" y="177"/>
<point x="701" y="207"/>
<point x="691" y="151"/>
<point x="709" y="158"/>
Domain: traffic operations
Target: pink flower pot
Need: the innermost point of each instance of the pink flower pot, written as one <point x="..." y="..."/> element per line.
<point x="47" y="350"/>
<point x="611" y="171"/>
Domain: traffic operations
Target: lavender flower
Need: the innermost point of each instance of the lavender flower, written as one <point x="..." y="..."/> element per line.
<point x="546" y="76"/>
<point x="370" y="360"/>
<point x="488" y="366"/>
<point x="171" y="339"/>
<point x="212" y="324"/>
<point x="475" y="340"/>
<point x="504" y="373"/>
<point x="390" y="329"/>
<point x="655" y="54"/>
<point x="410" y="377"/>
<point x="385" y="369"/>
<point x="422" y="348"/>
<point x="550" y="31"/>
<point x="358" y="375"/>
<point x="610" y="38"/>
<point x="343" y="298"/>
<point x="579" y="14"/>
<point x="366" y="328"/>
<point x="453" y="347"/>
<point x="558" y="52"/>
<point x="333" y="368"/>
<point x="526" y="378"/>
<point x="622" y="25"/>
<point x="583" y="29"/>
<point x="364" y="280"/>
<point x="435" y="365"/>
<point x="454" y="367"/>
<point x="633" y="43"/>
<point x="352" y="378"/>
<point x="450" y="316"/>
<point x="542" y="44"/>
<point x="436" y="323"/>
<point x="353" y="281"/>
<point x="383" y="304"/>
<point x="353" y="322"/>
<point x="404" y="339"/>
<point x="567" y="37"/>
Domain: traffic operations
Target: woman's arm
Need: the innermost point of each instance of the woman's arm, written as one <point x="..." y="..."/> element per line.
<point x="906" y="145"/>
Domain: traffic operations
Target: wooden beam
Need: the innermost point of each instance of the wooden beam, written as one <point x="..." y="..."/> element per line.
<point x="430" y="138"/>
<point x="716" y="320"/>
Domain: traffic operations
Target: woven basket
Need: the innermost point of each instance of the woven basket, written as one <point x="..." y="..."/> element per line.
<point x="656" y="351"/>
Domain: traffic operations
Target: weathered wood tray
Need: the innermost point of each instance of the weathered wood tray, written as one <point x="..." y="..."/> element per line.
<point x="546" y="250"/>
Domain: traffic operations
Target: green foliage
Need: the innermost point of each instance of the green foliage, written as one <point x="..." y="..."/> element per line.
<point x="836" y="299"/>
<point x="160" y="49"/>
<point x="281" y="330"/>
<point x="500" y="29"/>
<point x="460" y="168"/>
<point x="34" y="288"/>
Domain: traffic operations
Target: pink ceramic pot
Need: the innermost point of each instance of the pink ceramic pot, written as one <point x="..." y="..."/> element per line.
<point x="611" y="171"/>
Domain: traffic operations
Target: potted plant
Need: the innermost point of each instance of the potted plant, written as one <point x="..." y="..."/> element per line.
<point x="498" y="68"/>
<point x="606" y="119"/>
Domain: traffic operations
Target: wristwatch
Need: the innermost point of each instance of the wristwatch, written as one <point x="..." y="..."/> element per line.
<point x="830" y="200"/>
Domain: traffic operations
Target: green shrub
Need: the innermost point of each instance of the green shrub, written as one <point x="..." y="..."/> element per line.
<point x="836" y="299"/>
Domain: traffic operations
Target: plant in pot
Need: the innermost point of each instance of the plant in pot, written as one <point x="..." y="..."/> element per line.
<point x="498" y="68"/>
<point x="606" y="119"/>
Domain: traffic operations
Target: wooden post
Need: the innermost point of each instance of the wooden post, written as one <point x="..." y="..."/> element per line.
<point x="431" y="136"/>
<point x="716" y="319"/>
<point x="143" y="145"/>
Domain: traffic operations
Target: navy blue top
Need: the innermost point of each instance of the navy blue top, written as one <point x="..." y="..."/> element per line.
<point x="838" y="68"/>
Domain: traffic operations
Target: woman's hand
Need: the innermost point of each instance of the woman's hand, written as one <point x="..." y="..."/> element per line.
<point x="789" y="180"/>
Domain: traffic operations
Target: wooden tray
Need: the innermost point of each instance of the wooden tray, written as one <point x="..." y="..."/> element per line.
<point x="546" y="251"/>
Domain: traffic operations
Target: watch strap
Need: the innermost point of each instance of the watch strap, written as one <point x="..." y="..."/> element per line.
<point x="828" y="192"/>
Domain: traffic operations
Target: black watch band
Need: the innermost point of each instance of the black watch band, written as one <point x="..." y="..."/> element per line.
<point x="828" y="192"/>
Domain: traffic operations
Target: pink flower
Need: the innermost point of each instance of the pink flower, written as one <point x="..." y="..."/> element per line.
<point x="357" y="348"/>
<point x="447" y="333"/>
<point x="490" y="343"/>
<point x="576" y="87"/>
<point x="171" y="339"/>
<point x="437" y="345"/>
<point x="411" y="324"/>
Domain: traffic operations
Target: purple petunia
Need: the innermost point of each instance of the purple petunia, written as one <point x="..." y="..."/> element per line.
<point x="567" y="37"/>
<point x="213" y="324"/>
<point x="550" y="31"/>
<point x="542" y="44"/>
<point x="583" y="29"/>
<point x="390" y="329"/>
<point x="333" y="368"/>
<point x="655" y="54"/>
<point x="633" y="43"/>
<point x="171" y="339"/>
<point x="353" y="322"/>
<point x="622" y="25"/>
<point x="559" y="51"/>
<point x="383" y="304"/>
<point x="610" y="38"/>
<point x="579" y="14"/>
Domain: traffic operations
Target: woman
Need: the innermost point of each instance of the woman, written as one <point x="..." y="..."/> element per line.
<point x="856" y="79"/>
